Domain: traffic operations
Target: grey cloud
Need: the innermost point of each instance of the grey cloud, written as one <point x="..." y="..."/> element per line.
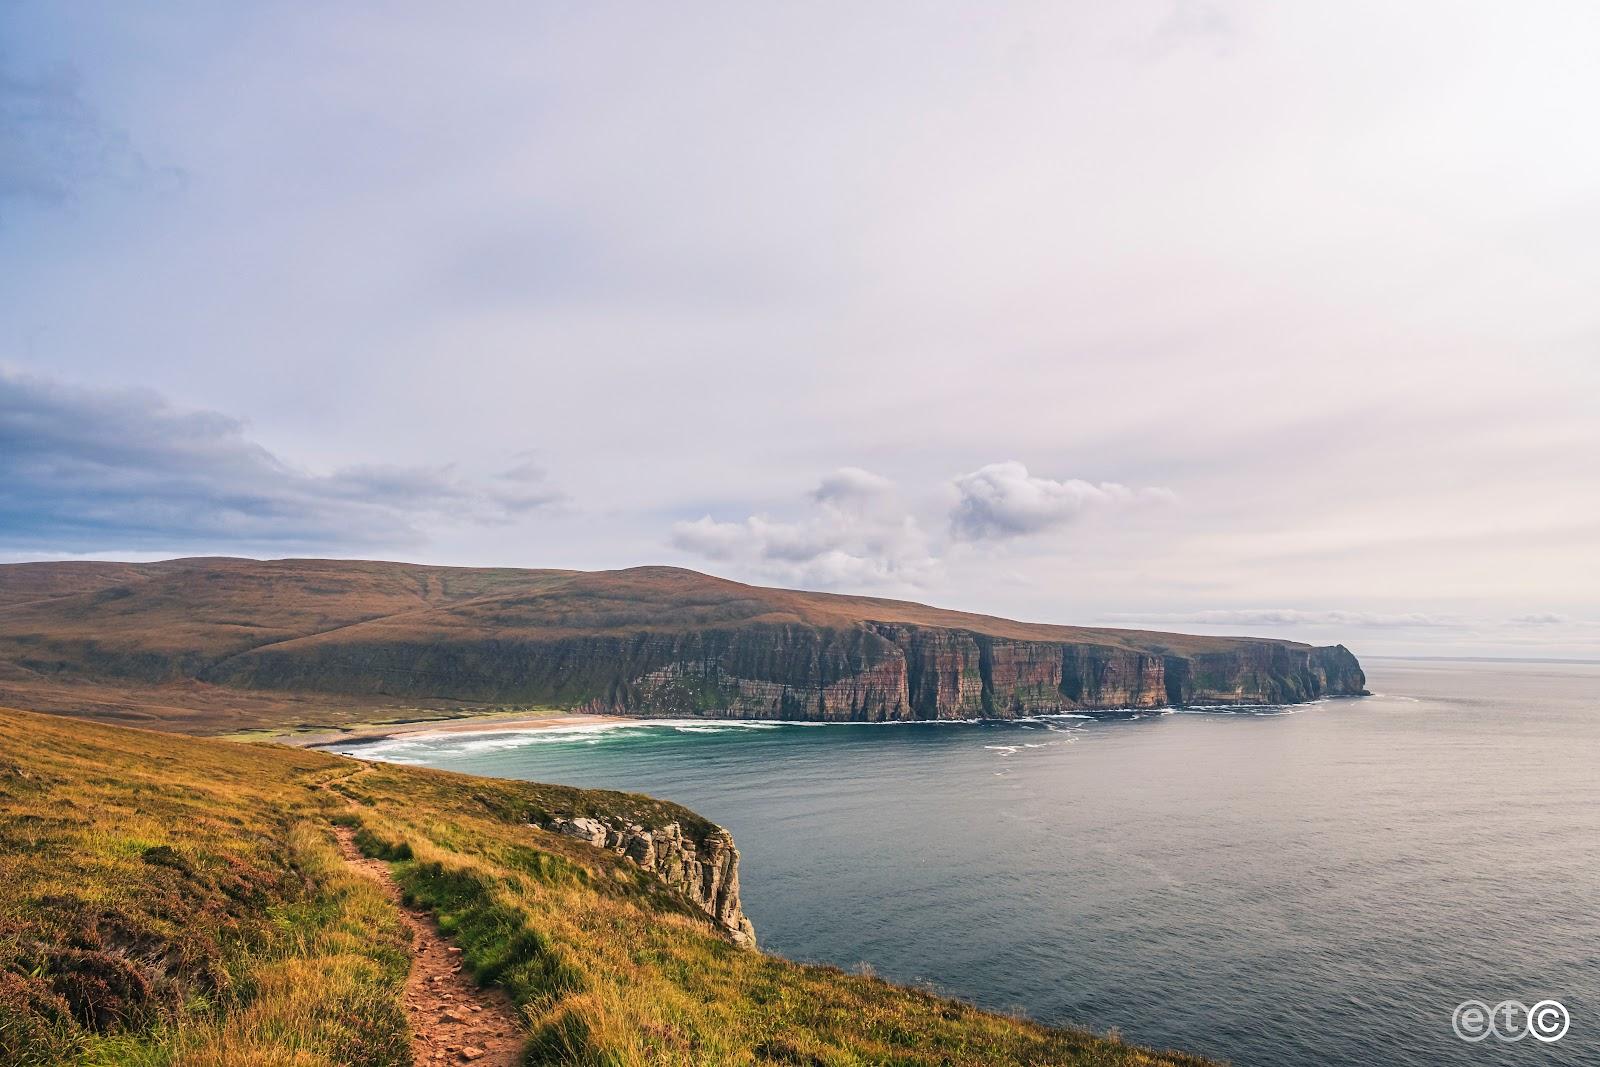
<point x="1003" y="500"/>
<point x="1189" y="20"/>
<point x="711" y="539"/>
<point x="1553" y="622"/>
<point x="525" y="470"/>
<point x="852" y="483"/>
<point x="94" y="470"/>
<point x="52" y="141"/>
<point x="1290" y="617"/>
<point x="523" y="486"/>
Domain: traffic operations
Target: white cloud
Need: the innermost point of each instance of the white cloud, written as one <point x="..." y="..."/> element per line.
<point x="1003" y="500"/>
<point x="856" y="529"/>
<point x="853" y="532"/>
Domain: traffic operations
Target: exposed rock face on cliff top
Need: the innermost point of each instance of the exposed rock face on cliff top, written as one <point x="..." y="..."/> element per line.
<point x="651" y="640"/>
<point x="705" y="871"/>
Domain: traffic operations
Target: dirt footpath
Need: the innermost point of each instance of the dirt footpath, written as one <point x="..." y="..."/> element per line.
<point x="453" y="1020"/>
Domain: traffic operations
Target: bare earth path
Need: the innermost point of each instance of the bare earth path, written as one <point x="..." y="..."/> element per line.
<point x="453" y="1020"/>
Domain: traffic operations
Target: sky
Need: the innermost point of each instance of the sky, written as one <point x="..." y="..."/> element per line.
<point x="1234" y="317"/>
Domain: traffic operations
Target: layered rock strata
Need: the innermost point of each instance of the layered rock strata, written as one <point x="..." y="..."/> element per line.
<point x="898" y="673"/>
<point x="704" y="871"/>
<point x="873" y="672"/>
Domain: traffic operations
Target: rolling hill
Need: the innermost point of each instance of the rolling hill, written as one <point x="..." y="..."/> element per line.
<point x="222" y="644"/>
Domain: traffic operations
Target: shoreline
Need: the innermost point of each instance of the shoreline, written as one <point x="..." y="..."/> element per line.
<point x="531" y="722"/>
<point x="489" y="721"/>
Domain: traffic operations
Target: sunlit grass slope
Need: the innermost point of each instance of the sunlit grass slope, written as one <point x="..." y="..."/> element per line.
<point x="166" y="900"/>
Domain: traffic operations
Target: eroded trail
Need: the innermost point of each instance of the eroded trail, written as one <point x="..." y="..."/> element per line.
<point x="453" y="1020"/>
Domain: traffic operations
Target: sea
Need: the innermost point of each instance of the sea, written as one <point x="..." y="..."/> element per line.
<point x="1321" y="884"/>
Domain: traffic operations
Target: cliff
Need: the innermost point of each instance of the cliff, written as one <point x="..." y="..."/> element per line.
<point x="646" y="641"/>
<point x="889" y="673"/>
<point x="706" y="871"/>
<point x="865" y="672"/>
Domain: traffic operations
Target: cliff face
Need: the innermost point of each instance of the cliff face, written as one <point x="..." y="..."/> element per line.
<point x="912" y="673"/>
<point x="705" y="871"/>
<point x="873" y="673"/>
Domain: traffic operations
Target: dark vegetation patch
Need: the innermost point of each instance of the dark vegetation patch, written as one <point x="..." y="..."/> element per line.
<point x="372" y="845"/>
<point x="146" y="897"/>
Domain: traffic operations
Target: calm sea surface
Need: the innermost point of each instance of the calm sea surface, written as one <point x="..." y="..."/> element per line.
<point x="1304" y="886"/>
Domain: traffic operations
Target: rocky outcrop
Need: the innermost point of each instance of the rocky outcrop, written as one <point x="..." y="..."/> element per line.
<point x="705" y="871"/>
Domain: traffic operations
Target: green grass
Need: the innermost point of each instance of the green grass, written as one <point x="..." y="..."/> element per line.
<point x="179" y="901"/>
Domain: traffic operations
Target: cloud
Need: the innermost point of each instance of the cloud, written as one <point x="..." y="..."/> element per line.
<point x="856" y="529"/>
<point x="524" y="470"/>
<point x="1290" y="617"/>
<point x="852" y="483"/>
<point x="1542" y="618"/>
<point x="854" y="533"/>
<point x="1194" y="20"/>
<point x="707" y="537"/>
<point x="52" y="141"/>
<point x="85" y="470"/>
<point x="1003" y="500"/>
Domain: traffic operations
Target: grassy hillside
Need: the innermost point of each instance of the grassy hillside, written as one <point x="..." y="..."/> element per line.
<point x="172" y="900"/>
<point x="225" y="645"/>
<point x="156" y="620"/>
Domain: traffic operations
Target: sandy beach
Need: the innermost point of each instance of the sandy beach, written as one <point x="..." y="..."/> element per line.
<point x="488" y="721"/>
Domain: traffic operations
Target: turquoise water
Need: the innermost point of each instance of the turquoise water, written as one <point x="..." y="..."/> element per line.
<point x="1305" y="886"/>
